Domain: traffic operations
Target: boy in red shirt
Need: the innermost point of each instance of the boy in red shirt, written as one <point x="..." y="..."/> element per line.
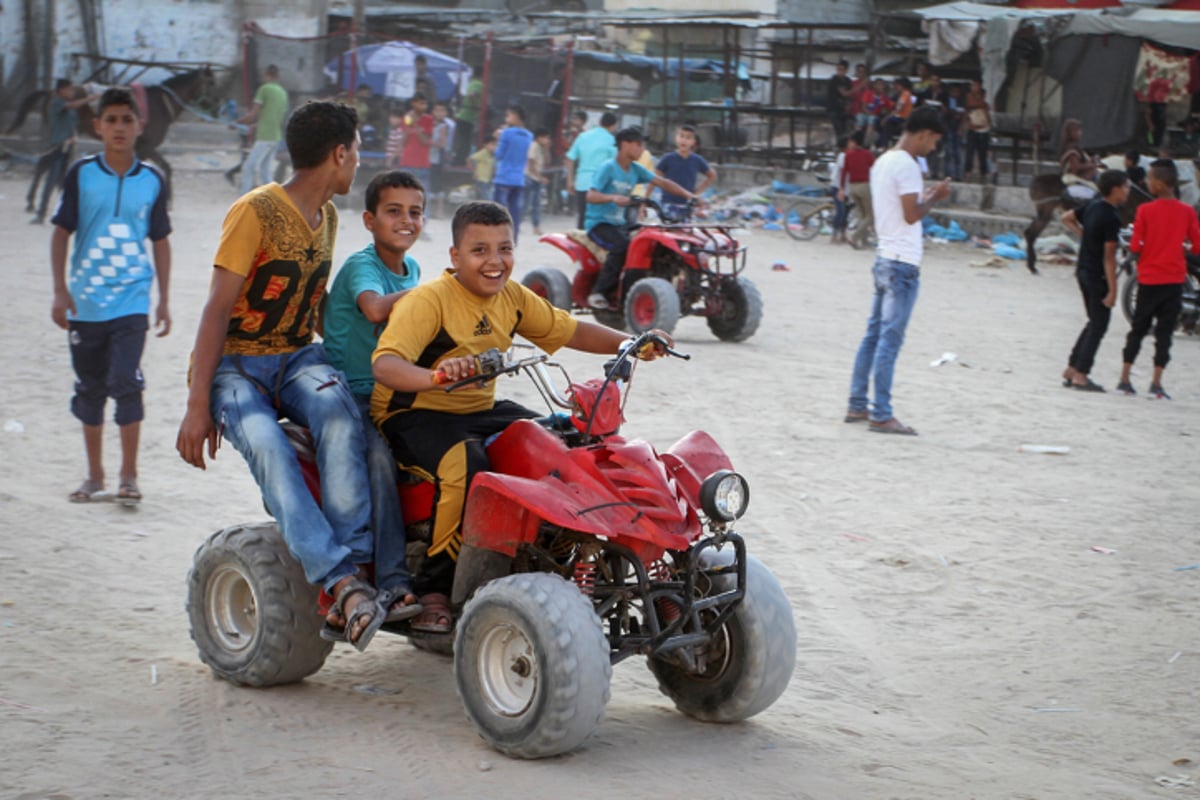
<point x="854" y="183"/>
<point x="1159" y="231"/>
<point x="418" y="135"/>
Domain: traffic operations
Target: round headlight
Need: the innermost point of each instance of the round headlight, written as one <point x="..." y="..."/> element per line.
<point x="724" y="495"/>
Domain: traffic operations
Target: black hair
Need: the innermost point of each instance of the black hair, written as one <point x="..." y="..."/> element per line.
<point x="272" y="71"/>
<point x="1164" y="170"/>
<point x="418" y="96"/>
<point x="692" y="130"/>
<point x="925" y="118"/>
<point x="842" y="141"/>
<point x="540" y="132"/>
<point x="1133" y="155"/>
<point x="395" y="179"/>
<point x="491" y="137"/>
<point x="608" y="119"/>
<point x="478" y="212"/>
<point x="578" y="114"/>
<point x="515" y="109"/>
<point x="1111" y="179"/>
<point x="631" y="134"/>
<point x="859" y="137"/>
<point x="844" y="63"/>
<point x="62" y="83"/>
<point x="316" y="129"/>
<point x="905" y="82"/>
<point x="116" y="96"/>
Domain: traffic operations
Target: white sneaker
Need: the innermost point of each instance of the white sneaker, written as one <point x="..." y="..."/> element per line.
<point x="597" y="300"/>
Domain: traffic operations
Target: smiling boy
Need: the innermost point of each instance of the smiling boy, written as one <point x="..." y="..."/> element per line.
<point x="440" y="327"/>
<point x="362" y="296"/>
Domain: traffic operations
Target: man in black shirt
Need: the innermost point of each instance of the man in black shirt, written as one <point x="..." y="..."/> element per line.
<point x="838" y="97"/>
<point x="1099" y="229"/>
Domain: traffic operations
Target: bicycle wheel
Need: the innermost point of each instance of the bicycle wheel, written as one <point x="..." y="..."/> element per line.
<point x="803" y="221"/>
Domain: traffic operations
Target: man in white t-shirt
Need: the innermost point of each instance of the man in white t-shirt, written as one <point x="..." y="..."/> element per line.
<point x="900" y="200"/>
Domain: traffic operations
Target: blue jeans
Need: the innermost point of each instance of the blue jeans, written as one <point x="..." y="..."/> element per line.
<point x="896" y="286"/>
<point x="510" y="198"/>
<point x="841" y="214"/>
<point x="331" y="539"/>
<point x="387" y="520"/>
<point x="259" y="166"/>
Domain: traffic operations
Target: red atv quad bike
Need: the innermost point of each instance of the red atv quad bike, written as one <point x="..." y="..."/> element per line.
<point x="672" y="269"/>
<point x="580" y="549"/>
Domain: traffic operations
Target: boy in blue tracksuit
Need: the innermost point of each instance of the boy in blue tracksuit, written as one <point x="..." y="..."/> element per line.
<point x="111" y="203"/>
<point x="512" y="154"/>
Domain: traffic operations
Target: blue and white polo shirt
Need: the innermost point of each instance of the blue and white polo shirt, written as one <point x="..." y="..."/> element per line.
<point x="111" y="216"/>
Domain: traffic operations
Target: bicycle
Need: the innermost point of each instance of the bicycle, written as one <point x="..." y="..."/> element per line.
<point x="808" y="216"/>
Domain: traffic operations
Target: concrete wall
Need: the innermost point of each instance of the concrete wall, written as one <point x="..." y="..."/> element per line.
<point x="149" y="30"/>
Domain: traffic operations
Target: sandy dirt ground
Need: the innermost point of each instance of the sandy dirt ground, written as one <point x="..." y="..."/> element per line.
<point x="959" y="637"/>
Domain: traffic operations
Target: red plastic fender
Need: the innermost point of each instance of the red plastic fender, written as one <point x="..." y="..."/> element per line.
<point x="577" y="252"/>
<point x="619" y="490"/>
<point x="647" y="240"/>
<point x="692" y="459"/>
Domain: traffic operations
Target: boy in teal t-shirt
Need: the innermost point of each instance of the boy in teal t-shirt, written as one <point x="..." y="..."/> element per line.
<point x="359" y="304"/>
<point x="607" y="199"/>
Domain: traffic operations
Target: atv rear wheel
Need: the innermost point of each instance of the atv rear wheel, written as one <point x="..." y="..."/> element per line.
<point x="749" y="661"/>
<point x="652" y="303"/>
<point x="253" y="614"/>
<point x="551" y="284"/>
<point x="532" y="665"/>
<point x="741" y="311"/>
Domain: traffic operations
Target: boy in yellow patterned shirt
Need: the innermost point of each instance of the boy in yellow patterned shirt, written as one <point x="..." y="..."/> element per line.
<point x="255" y="361"/>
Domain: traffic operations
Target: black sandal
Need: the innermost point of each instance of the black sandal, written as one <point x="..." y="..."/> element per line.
<point x="368" y="606"/>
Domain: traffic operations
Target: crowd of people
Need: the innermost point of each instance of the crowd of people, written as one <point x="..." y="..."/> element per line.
<point x="878" y="109"/>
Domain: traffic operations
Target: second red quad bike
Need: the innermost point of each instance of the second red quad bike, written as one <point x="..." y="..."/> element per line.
<point x="581" y="549"/>
<point x="672" y="269"/>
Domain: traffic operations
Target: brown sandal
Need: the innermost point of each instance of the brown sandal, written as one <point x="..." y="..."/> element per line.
<point x="435" y="616"/>
<point x="892" y="425"/>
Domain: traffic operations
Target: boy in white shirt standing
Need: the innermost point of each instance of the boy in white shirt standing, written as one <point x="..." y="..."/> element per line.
<point x="900" y="201"/>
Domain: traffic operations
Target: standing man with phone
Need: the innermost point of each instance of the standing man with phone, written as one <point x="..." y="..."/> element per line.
<point x="900" y="200"/>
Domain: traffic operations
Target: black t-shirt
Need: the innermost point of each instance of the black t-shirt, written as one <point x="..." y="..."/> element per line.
<point x="1101" y="224"/>
<point x="835" y="100"/>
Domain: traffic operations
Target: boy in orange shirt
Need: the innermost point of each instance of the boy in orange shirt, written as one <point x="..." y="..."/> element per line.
<point x="1159" y="231"/>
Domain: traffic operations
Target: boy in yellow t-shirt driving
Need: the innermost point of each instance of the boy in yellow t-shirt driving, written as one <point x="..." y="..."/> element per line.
<point x="439" y="327"/>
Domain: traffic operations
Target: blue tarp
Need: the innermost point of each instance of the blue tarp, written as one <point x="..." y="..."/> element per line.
<point x="651" y="68"/>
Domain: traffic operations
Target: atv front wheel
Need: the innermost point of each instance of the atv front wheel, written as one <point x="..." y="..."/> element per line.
<point x="532" y="665"/>
<point x="749" y="661"/>
<point x="741" y="311"/>
<point x="652" y="303"/>
<point x="551" y="284"/>
<point x="253" y="614"/>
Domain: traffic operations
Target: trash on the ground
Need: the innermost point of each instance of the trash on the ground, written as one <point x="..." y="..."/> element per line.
<point x="1108" y="551"/>
<point x="1174" y="782"/>
<point x="7" y="603"/>
<point x="779" y="266"/>
<point x="1171" y="660"/>
<point x="1008" y="251"/>
<point x="1006" y="238"/>
<point x="1049" y="449"/>
<point x="945" y="359"/>
<point x="1056" y="710"/>
<point x="14" y="426"/>
<point x="1048" y="245"/>
<point x="154" y="674"/>
<point x="995" y="262"/>
<point x="1185" y="568"/>
<point x="485" y="766"/>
